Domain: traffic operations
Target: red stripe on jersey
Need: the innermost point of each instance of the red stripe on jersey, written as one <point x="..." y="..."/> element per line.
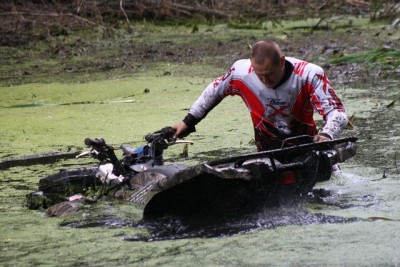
<point x="257" y="110"/>
<point x="299" y="67"/>
<point x="302" y="108"/>
<point x="326" y="83"/>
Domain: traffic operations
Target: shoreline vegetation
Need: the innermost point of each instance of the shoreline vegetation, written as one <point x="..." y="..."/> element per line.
<point x="80" y="41"/>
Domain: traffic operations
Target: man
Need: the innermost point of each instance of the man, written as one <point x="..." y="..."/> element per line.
<point x="281" y="94"/>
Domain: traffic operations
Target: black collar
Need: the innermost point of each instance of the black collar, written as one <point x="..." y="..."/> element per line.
<point x="288" y="72"/>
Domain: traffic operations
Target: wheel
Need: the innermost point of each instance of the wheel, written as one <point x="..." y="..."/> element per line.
<point x="58" y="187"/>
<point x="72" y="181"/>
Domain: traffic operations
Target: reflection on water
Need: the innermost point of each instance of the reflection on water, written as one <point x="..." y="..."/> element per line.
<point x="346" y="192"/>
<point x="271" y="218"/>
<point x="178" y="228"/>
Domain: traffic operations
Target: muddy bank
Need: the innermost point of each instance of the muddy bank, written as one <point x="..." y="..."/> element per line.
<point x="107" y="53"/>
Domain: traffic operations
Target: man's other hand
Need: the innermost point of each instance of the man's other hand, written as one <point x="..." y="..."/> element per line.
<point x="321" y="138"/>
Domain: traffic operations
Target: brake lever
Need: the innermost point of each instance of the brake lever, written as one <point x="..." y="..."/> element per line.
<point x="174" y="141"/>
<point x="88" y="152"/>
<point x="170" y="141"/>
<point x="84" y="153"/>
<point x="183" y="142"/>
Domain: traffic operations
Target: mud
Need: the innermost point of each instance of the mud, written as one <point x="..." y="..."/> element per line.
<point x="84" y="55"/>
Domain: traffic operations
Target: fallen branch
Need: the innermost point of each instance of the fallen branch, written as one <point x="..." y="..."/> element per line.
<point x="52" y="14"/>
<point x="318" y="23"/>
<point x="350" y="122"/>
<point x="71" y="103"/>
<point x="121" y="2"/>
<point x="391" y="104"/>
<point x="45" y="158"/>
<point x="199" y="9"/>
<point x="360" y="3"/>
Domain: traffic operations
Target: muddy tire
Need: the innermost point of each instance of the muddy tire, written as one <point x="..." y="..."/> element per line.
<point x="58" y="187"/>
<point x="70" y="182"/>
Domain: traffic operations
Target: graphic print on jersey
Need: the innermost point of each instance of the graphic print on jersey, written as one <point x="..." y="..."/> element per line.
<point x="224" y="77"/>
<point x="277" y="112"/>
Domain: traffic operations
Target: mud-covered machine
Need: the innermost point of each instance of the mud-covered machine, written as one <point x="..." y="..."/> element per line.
<point x="215" y="188"/>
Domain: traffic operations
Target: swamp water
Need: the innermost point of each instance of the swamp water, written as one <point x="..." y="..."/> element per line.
<point x="351" y="220"/>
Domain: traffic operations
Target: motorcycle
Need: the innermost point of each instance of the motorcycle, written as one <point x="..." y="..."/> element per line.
<point x="221" y="187"/>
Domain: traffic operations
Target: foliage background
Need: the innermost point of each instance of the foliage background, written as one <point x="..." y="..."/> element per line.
<point x="23" y="21"/>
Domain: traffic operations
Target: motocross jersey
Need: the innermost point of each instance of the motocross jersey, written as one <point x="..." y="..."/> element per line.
<point x="280" y="112"/>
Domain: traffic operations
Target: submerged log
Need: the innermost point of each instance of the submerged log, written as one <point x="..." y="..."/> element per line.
<point x="44" y="158"/>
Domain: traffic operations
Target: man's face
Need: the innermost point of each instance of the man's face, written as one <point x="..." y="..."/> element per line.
<point x="268" y="73"/>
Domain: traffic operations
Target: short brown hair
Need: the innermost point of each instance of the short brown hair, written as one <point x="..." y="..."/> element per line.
<point x="262" y="50"/>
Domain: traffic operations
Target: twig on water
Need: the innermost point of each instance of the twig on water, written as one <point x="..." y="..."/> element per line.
<point x="121" y="6"/>
<point x="391" y="104"/>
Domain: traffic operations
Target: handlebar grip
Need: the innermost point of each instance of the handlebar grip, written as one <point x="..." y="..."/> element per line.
<point x="88" y="142"/>
<point x="165" y="133"/>
<point x="168" y="132"/>
<point x="95" y="142"/>
<point x="149" y="138"/>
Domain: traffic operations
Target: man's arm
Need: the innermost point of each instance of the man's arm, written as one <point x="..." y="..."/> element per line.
<point x="335" y="121"/>
<point x="210" y="98"/>
<point x="199" y="110"/>
<point x="329" y="106"/>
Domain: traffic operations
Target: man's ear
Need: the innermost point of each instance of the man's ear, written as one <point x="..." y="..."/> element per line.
<point x="282" y="61"/>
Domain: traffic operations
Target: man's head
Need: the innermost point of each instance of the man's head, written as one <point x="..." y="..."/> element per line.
<point x="268" y="62"/>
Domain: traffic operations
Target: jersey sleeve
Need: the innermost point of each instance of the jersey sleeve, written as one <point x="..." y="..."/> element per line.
<point x="335" y="121"/>
<point x="328" y="104"/>
<point x="212" y="95"/>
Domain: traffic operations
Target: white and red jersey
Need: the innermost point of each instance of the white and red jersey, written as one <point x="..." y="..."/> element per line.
<point x="281" y="112"/>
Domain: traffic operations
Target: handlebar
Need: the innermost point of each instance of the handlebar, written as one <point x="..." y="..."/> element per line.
<point x="97" y="142"/>
<point x="158" y="142"/>
<point x="166" y="133"/>
<point x="99" y="148"/>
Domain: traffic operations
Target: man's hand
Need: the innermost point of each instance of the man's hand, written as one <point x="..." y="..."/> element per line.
<point x="180" y="127"/>
<point x="321" y="138"/>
